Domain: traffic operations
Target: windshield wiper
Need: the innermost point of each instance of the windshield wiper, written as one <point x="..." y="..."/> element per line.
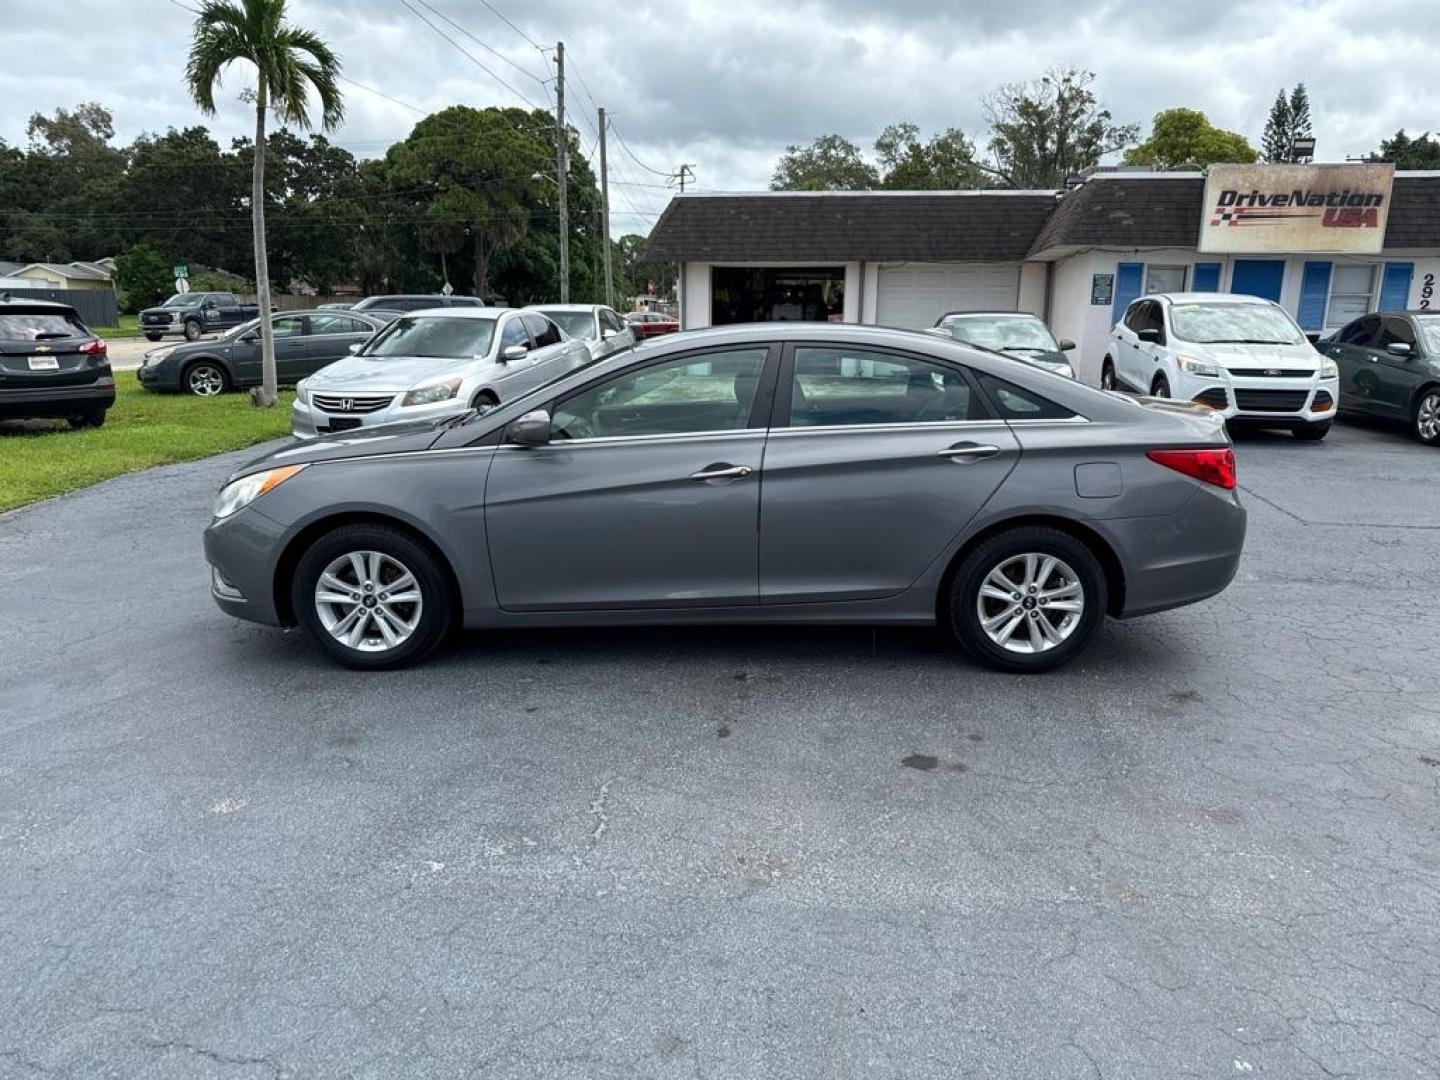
<point x="458" y="419"/>
<point x="1245" y="341"/>
<point x="1026" y="348"/>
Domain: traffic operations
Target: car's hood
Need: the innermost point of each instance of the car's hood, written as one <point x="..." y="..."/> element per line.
<point x="1250" y="356"/>
<point x="1040" y="359"/>
<point x="399" y="437"/>
<point x="387" y="374"/>
<point x="167" y="310"/>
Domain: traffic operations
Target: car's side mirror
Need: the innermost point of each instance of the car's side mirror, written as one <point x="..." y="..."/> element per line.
<point x="1066" y="344"/>
<point x="1151" y="335"/>
<point x="513" y="352"/>
<point x="356" y="346"/>
<point x="1398" y="348"/>
<point x="532" y="429"/>
<point x="607" y="334"/>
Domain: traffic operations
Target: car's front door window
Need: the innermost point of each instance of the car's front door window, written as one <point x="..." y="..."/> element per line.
<point x="698" y="392"/>
<point x="834" y="387"/>
<point x="291" y="326"/>
<point x="513" y="333"/>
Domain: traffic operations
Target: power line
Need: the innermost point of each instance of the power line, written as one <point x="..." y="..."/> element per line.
<point x="499" y="55"/>
<point x="468" y="55"/>
<point x="505" y="19"/>
<point x="626" y="147"/>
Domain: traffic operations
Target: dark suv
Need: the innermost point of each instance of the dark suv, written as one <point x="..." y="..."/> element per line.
<point x="51" y="365"/>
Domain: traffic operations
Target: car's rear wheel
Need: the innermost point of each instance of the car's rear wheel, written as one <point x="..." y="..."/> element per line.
<point x="1427" y="417"/>
<point x="205" y="379"/>
<point x="372" y="596"/>
<point x="1107" y="375"/>
<point x="1027" y="599"/>
<point x="1312" y="432"/>
<point x="1160" y="387"/>
<point x="88" y="419"/>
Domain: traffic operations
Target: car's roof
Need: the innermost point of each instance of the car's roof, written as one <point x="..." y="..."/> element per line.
<point x="990" y="314"/>
<point x="1207" y="298"/>
<point x="33" y="305"/>
<point x="464" y="312"/>
<point x="562" y="307"/>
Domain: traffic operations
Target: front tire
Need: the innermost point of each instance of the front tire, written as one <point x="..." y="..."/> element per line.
<point x="205" y="378"/>
<point x="1107" y="375"/>
<point x="1160" y="387"/>
<point x="192" y="330"/>
<point x="372" y="596"/>
<point x="1427" y="417"/>
<point x="1312" y="432"/>
<point x="92" y="419"/>
<point x="1026" y="600"/>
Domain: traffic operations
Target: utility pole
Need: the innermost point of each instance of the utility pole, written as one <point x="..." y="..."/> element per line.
<point x="562" y="171"/>
<point x="683" y="174"/>
<point x="605" y="217"/>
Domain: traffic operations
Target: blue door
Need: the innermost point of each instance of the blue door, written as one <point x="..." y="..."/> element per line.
<point x="1258" y="277"/>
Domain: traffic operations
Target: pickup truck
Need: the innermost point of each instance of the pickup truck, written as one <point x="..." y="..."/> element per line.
<point x="194" y="314"/>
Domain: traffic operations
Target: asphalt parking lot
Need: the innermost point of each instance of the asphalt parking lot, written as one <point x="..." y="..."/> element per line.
<point x="1209" y="849"/>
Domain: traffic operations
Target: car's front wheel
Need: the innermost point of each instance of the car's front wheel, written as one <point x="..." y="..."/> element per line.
<point x="205" y="379"/>
<point x="1107" y="375"/>
<point x="90" y="418"/>
<point x="1427" y="417"/>
<point x="1027" y="599"/>
<point x="193" y="330"/>
<point x="153" y="337"/>
<point x="372" y="596"/>
<point x="1160" y="388"/>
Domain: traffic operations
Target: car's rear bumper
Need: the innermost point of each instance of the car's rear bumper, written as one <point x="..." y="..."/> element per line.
<point x="51" y="402"/>
<point x="1180" y="558"/>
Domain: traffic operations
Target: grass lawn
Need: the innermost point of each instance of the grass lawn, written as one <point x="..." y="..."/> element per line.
<point x="39" y="459"/>
<point x="129" y="327"/>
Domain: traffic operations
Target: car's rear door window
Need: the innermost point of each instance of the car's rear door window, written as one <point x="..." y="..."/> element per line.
<point x="712" y="391"/>
<point x="839" y="387"/>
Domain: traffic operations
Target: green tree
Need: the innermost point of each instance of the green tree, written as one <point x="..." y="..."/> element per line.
<point x="290" y="63"/>
<point x="1289" y="120"/>
<point x="69" y="188"/>
<point x="1044" y="132"/>
<point x="945" y="163"/>
<point x="1421" y="152"/>
<point x="830" y="163"/>
<point x="142" y="277"/>
<point x="1185" y="139"/>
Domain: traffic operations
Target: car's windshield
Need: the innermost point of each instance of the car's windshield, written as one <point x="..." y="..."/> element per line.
<point x="181" y="299"/>
<point x="1241" y="324"/>
<point x="38" y="326"/>
<point x="438" y="337"/>
<point x="1001" y="332"/>
<point x="578" y="324"/>
<point x="1429" y="333"/>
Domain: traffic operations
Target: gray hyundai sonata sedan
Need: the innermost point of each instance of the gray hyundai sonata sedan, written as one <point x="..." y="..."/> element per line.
<point x="780" y="472"/>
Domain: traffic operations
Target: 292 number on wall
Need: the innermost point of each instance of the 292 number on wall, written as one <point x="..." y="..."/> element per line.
<point x="1427" y="291"/>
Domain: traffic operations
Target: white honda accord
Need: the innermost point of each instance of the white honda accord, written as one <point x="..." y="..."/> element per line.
<point x="435" y="363"/>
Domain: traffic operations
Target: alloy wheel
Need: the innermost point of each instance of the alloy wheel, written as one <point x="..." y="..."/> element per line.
<point x="368" y="601"/>
<point x="206" y="381"/>
<point x="1038" y="592"/>
<point x="1427" y="417"/>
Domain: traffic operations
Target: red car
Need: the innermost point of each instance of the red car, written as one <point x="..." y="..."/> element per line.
<point x="648" y="324"/>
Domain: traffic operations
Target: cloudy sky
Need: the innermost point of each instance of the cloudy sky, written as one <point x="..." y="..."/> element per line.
<point x="726" y="85"/>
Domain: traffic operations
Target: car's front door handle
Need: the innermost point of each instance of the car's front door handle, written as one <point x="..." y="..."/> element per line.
<point x="968" y="451"/>
<point x="722" y="471"/>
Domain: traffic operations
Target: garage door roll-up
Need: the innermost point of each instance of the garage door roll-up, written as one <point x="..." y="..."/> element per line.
<point x="913" y="296"/>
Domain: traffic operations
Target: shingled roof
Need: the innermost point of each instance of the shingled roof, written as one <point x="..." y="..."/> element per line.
<point x="1165" y="210"/>
<point x="959" y="226"/>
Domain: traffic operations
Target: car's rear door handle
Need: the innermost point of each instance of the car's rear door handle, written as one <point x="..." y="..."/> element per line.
<point x="722" y="471"/>
<point x="968" y="451"/>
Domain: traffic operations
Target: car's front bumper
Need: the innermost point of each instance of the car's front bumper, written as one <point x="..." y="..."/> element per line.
<point x="308" y="420"/>
<point x="243" y="551"/>
<point x="1263" y="400"/>
<point x="158" y="375"/>
<point x="52" y="402"/>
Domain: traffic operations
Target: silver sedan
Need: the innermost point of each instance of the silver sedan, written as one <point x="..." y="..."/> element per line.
<point x="801" y="473"/>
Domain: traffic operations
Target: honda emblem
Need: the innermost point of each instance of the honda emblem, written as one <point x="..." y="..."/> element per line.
<point x="346" y="404"/>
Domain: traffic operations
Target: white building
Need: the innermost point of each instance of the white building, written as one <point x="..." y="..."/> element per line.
<point x="1077" y="258"/>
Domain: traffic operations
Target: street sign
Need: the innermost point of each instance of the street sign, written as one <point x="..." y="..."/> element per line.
<point x="181" y="270"/>
<point x="182" y="285"/>
<point x="446" y="289"/>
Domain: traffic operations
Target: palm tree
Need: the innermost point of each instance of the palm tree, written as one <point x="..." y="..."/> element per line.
<point x="289" y="63"/>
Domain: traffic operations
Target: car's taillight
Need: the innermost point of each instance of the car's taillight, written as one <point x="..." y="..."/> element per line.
<point x="1212" y="466"/>
<point x="94" y="348"/>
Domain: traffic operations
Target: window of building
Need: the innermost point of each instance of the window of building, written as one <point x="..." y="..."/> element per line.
<point x="1352" y="294"/>
<point x="1163" y="279"/>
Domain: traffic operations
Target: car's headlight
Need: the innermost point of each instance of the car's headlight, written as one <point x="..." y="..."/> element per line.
<point x="1328" y="368"/>
<point x="239" y="494"/>
<point x="1192" y="366"/>
<point x="428" y="395"/>
<point x="302" y="393"/>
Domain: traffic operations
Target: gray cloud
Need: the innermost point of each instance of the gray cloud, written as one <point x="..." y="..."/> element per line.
<point x="727" y="85"/>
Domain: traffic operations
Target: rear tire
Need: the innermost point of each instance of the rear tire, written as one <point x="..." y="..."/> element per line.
<point x="1107" y="375"/>
<point x="1427" y="417"/>
<point x="1036" y="563"/>
<point x="359" y="633"/>
<point x="1160" y="387"/>
<point x="91" y="419"/>
<point x="1312" y="432"/>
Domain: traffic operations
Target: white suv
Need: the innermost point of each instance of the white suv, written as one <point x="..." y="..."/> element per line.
<point x="1241" y="355"/>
